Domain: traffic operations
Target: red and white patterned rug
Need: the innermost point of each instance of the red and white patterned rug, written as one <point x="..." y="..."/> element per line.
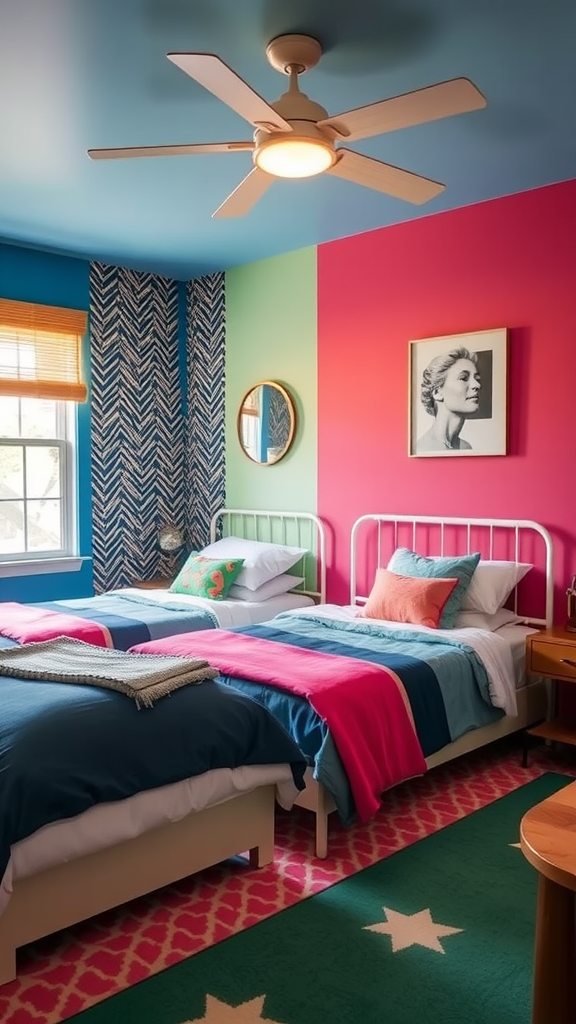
<point x="66" y="973"/>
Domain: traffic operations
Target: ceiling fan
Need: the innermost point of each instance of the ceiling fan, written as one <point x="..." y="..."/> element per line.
<point x="297" y="138"/>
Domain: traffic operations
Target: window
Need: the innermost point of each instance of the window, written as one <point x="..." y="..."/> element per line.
<point x="37" y="507"/>
<point x="39" y="387"/>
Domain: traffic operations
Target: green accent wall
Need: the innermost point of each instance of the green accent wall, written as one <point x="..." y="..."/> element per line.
<point x="271" y="334"/>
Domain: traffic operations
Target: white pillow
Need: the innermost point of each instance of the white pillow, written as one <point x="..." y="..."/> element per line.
<point x="279" y="585"/>
<point x="482" y="620"/>
<point x="491" y="584"/>
<point x="262" y="561"/>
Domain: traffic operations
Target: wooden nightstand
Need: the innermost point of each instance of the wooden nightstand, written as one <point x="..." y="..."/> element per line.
<point x="551" y="654"/>
<point x="156" y="583"/>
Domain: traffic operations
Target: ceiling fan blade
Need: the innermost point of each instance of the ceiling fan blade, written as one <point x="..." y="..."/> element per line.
<point x="394" y="181"/>
<point x="458" y="96"/>
<point x="223" y="82"/>
<point x="185" y="150"/>
<point x="245" y="195"/>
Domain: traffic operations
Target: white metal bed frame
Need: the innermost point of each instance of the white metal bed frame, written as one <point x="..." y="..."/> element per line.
<point x="467" y="536"/>
<point x="462" y="535"/>
<point x="78" y="889"/>
<point x="298" y="529"/>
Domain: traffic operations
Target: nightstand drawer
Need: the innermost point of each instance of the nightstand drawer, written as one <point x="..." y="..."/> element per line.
<point x="553" y="659"/>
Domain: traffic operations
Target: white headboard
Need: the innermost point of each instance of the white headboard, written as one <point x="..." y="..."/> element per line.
<point x="375" y="536"/>
<point x="298" y="529"/>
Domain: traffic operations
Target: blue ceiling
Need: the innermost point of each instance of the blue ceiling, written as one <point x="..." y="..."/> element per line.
<point x="80" y="74"/>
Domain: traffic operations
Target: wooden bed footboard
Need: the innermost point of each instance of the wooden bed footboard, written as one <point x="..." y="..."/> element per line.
<point x="74" y="891"/>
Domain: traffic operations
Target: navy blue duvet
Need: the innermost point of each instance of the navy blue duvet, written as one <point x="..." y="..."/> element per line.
<point x="64" y="747"/>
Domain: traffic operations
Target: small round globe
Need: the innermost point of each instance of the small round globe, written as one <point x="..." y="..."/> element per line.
<point x="170" y="538"/>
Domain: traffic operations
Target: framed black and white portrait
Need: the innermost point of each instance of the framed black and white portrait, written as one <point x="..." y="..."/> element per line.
<point x="458" y="394"/>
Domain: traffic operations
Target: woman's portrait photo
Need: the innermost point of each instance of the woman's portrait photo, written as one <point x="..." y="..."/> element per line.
<point x="458" y="394"/>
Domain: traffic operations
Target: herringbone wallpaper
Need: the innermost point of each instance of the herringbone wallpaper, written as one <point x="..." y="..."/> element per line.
<point x="205" y="481"/>
<point x="137" y="422"/>
<point x="152" y="461"/>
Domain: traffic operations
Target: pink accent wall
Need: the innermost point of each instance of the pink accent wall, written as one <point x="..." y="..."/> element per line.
<point x="510" y="262"/>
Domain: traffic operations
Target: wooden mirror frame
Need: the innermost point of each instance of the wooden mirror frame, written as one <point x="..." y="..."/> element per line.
<point x="251" y="409"/>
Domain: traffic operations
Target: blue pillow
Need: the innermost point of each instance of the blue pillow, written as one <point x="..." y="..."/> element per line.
<point x="408" y="563"/>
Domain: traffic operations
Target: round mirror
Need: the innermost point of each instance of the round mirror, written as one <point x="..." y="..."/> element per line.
<point x="266" y="422"/>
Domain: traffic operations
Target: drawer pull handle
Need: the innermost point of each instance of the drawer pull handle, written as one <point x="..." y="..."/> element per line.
<point x="567" y="661"/>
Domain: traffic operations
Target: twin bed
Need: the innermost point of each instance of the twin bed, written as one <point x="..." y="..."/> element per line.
<point x="122" y="618"/>
<point x="116" y="841"/>
<point x="460" y="687"/>
<point x="445" y="701"/>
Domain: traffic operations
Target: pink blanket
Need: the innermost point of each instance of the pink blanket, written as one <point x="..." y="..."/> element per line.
<point x="364" y="705"/>
<point x="27" y="624"/>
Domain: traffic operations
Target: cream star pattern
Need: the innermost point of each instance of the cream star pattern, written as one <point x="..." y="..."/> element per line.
<point x="407" y="930"/>
<point x="217" y="1012"/>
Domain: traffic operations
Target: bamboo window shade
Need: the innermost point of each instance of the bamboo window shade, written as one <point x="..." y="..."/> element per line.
<point x="40" y="351"/>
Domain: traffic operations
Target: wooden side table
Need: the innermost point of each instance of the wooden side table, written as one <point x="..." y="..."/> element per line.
<point x="155" y="583"/>
<point x="547" y="841"/>
<point x="551" y="654"/>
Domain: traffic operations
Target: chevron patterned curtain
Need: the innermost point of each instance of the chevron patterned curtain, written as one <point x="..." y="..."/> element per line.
<point x="205" y="478"/>
<point x="138" y="427"/>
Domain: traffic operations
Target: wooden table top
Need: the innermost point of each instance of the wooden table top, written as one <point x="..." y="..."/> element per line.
<point x="548" y="837"/>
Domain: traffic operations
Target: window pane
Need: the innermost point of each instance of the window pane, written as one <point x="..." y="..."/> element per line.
<point x="42" y="472"/>
<point x="44" y="527"/>
<point x="11" y="527"/>
<point x="35" y="505"/>
<point x="11" y="471"/>
<point x="9" y="426"/>
<point x="38" y="418"/>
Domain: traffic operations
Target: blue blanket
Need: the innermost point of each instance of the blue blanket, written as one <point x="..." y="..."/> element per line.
<point x="445" y="682"/>
<point x="65" y="748"/>
<point x="134" y="619"/>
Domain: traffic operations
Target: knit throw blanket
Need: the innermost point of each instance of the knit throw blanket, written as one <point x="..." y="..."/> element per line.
<point x="145" y="677"/>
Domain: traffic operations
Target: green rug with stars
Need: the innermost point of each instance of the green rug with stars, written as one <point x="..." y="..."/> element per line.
<point x="441" y="932"/>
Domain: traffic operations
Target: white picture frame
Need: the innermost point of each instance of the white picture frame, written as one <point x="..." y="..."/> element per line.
<point x="442" y="388"/>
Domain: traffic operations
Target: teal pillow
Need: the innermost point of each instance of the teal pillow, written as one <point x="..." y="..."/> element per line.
<point x="207" y="577"/>
<point x="408" y="563"/>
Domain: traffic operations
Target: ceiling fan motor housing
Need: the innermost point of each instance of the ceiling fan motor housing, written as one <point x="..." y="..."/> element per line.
<point x="296" y="106"/>
<point x="302" y="114"/>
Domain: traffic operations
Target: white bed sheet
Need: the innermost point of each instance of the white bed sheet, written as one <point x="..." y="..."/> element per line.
<point x="515" y="635"/>
<point x="110" y="823"/>
<point x="229" y="612"/>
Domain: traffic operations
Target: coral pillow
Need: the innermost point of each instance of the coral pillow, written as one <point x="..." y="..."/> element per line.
<point x="410" y="564"/>
<point x="207" y="577"/>
<point x="408" y="598"/>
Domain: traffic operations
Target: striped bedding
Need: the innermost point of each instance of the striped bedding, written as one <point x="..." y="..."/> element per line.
<point x="115" y="619"/>
<point x="451" y="681"/>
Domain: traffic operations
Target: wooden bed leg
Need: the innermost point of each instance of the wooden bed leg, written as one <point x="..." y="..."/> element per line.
<point x="261" y="854"/>
<point x="524" y="749"/>
<point x="322" y="824"/>
<point x="321" y="835"/>
<point x="7" y="964"/>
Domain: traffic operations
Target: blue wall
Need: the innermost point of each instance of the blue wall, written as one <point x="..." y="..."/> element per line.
<point x="29" y="275"/>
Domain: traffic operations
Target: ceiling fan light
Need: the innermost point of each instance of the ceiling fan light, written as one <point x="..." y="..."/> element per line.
<point x="294" y="157"/>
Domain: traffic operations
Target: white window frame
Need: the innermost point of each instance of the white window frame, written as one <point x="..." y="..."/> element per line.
<point x="65" y="558"/>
